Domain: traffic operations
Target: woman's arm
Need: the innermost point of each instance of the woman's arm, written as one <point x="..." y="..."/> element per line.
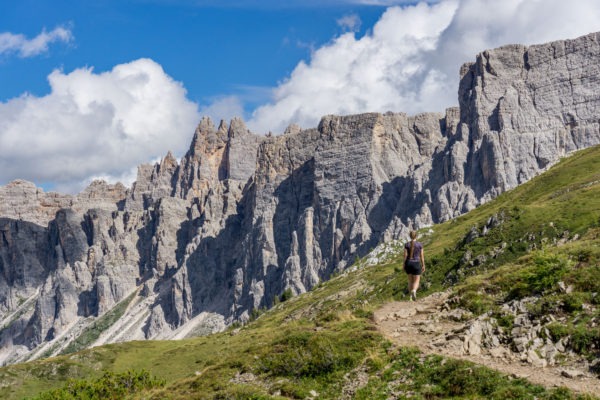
<point x="422" y="260"/>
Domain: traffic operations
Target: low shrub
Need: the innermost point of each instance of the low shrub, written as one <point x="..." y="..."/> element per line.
<point x="477" y="303"/>
<point x="286" y="295"/>
<point x="303" y="355"/>
<point x="547" y="271"/>
<point x="573" y="302"/>
<point x="585" y="340"/>
<point x="506" y="321"/>
<point x="557" y="330"/>
<point x="109" y="386"/>
<point x="313" y="354"/>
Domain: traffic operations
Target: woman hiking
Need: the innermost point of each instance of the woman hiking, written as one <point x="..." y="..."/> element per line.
<point x="414" y="264"/>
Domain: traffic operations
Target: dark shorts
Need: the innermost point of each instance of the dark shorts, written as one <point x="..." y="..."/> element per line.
<point x="412" y="267"/>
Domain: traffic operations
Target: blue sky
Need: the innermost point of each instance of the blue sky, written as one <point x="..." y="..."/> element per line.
<point x="91" y="89"/>
<point x="214" y="47"/>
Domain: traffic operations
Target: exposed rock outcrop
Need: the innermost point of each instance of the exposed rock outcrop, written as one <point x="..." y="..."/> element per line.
<point x="241" y="217"/>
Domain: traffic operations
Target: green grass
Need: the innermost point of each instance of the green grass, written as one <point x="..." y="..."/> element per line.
<point x="313" y="342"/>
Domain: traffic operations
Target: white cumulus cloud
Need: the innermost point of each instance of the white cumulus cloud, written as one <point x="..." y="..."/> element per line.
<point x="23" y="47"/>
<point x="224" y="107"/>
<point x="95" y="125"/>
<point x="349" y="22"/>
<point x="387" y="2"/>
<point x="105" y="124"/>
<point x="410" y="60"/>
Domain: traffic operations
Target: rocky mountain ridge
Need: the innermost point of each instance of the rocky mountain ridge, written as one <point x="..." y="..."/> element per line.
<point x="241" y="218"/>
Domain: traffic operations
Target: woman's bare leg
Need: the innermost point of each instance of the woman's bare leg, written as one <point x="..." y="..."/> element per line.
<point x="413" y="285"/>
<point x="416" y="280"/>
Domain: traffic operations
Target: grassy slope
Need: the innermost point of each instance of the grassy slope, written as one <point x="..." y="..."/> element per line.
<point x="312" y="341"/>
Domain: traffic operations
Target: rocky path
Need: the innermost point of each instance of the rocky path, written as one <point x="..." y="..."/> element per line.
<point x="424" y="324"/>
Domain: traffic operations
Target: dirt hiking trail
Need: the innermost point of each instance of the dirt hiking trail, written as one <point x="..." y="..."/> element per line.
<point x="424" y="324"/>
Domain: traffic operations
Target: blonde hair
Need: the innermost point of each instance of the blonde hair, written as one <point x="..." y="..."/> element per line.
<point x="413" y="237"/>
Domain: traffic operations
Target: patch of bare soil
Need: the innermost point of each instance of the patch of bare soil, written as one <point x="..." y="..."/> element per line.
<point x="426" y="325"/>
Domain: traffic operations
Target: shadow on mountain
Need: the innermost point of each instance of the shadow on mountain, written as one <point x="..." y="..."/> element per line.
<point x="294" y="195"/>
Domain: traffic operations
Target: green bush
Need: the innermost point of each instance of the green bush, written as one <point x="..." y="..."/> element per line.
<point x="541" y="275"/>
<point x="308" y="354"/>
<point x="303" y="356"/>
<point x="512" y="392"/>
<point x="557" y="330"/>
<point x="286" y="295"/>
<point x="256" y="312"/>
<point x="108" y="387"/>
<point x="586" y="279"/>
<point x="506" y="321"/>
<point x="573" y="302"/>
<point x="518" y="291"/>
<point x="548" y="270"/>
<point x="477" y="303"/>
<point x="584" y="340"/>
<point x="549" y="304"/>
<point x="457" y="378"/>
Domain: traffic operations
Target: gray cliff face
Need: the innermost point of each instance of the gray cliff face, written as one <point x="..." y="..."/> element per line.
<point x="22" y="200"/>
<point x="199" y="243"/>
<point x="322" y="196"/>
<point x="526" y="106"/>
